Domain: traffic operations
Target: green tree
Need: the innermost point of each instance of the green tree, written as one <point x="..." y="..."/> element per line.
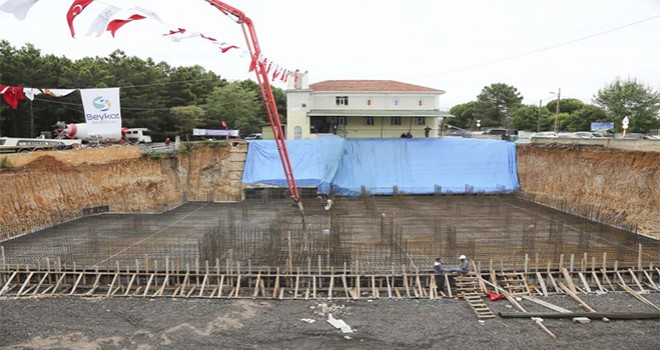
<point x="496" y="103"/>
<point x="236" y="105"/>
<point x="632" y="99"/>
<point x="581" y="119"/>
<point x="464" y="115"/>
<point x="529" y="117"/>
<point x="186" y="118"/>
<point x="566" y="105"/>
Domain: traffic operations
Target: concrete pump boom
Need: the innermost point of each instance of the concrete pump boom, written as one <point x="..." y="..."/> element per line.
<point x="266" y="91"/>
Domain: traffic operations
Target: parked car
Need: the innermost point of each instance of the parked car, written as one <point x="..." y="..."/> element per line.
<point x="584" y="134"/>
<point x="641" y="136"/>
<point x="544" y="134"/>
<point x="506" y="134"/>
<point x="256" y="136"/>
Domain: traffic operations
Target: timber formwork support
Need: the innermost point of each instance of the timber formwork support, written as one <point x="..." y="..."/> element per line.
<point x="406" y="283"/>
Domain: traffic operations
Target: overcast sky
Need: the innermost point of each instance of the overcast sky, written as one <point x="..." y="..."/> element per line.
<point x="431" y="43"/>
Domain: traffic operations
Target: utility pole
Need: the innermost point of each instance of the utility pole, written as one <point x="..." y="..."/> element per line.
<point x="538" y="120"/>
<point x="557" y="112"/>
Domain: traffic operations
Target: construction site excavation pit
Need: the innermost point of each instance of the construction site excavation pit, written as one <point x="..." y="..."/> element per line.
<point x="365" y="235"/>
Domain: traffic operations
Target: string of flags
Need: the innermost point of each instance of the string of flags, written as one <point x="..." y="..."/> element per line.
<point x="14" y="94"/>
<point x="112" y="19"/>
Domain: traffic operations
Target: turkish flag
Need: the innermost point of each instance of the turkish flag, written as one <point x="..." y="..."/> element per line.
<point x="12" y="94"/>
<point x="113" y="26"/>
<point x="76" y="8"/>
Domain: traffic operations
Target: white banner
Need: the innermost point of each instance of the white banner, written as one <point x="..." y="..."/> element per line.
<point x="102" y="111"/>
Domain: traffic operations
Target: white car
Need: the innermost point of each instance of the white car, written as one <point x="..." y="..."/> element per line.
<point x="256" y="136"/>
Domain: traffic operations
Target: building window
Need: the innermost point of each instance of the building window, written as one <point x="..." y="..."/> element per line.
<point x="368" y="120"/>
<point x="341" y="121"/>
<point x="297" y="133"/>
<point x="395" y="121"/>
<point x="396" y="101"/>
<point x="420" y="102"/>
<point x="341" y="100"/>
<point x="419" y="121"/>
<point x="369" y="102"/>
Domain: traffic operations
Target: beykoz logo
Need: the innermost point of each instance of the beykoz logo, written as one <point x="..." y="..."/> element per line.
<point x="101" y="103"/>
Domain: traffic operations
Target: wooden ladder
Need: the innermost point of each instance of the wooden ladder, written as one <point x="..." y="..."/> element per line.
<point x="467" y="287"/>
<point x="515" y="283"/>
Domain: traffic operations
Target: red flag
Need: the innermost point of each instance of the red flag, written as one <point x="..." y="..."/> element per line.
<point x="76" y="8"/>
<point x="253" y="64"/>
<point x="12" y="94"/>
<point x="207" y="37"/>
<point x="114" y="26"/>
<point x="225" y="49"/>
<point x="224" y="124"/>
<point x="179" y="31"/>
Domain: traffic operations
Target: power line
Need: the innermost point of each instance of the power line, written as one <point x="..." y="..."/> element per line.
<point x="537" y="50"/>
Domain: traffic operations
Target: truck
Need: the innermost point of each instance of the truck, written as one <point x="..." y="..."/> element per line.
<point x="137" y="136"/>
<point x="20" y="145"/>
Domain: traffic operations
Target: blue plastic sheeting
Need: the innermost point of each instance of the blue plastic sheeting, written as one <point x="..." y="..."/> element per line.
<point x="415" y="166"/>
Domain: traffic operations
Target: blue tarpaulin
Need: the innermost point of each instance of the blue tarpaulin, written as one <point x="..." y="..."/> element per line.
<point x="415" y="166"/>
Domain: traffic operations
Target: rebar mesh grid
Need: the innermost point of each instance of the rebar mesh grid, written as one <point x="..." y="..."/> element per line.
<point x="366" y="234"/>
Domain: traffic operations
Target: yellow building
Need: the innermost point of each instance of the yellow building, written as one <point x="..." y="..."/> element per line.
<point x="361" y="109"/>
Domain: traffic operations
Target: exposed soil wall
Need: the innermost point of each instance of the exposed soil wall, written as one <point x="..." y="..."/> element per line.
<point x="43" y="188"/>
<point x="619" y="187"/>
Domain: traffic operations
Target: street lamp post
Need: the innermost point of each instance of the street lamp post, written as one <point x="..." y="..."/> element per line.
<point x="478" y="125"/>
<point x="538" y="119"/>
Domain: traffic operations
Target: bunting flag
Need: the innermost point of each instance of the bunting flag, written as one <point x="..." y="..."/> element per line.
<point x="178" y="31"/>
<point x="12" y="95"/>
<point x="114" y="26"/>
<point x="19" y="8"/>
<point x="225" y="49"/>
<point x="76" y="8"/>
<point x="57" y="92"/>
<point x="207" y="38"/>
<point x="177" y="37"/>
<point x="101" y="21"/>
<point x="147" y="13"/>
<point x="30" y="92"/>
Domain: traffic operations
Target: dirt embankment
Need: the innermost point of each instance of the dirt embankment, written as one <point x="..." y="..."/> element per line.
<point x="43" y="188"/>
<point x="621" y="187"/>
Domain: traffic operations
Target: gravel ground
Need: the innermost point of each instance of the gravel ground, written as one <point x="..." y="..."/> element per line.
<point x="99" y="323"/>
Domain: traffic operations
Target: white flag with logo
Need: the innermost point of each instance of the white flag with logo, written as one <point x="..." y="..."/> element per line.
<point x="102" y="111"/>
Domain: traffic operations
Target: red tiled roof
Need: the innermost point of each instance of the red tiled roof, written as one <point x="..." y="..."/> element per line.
<point x="368" y="85"/>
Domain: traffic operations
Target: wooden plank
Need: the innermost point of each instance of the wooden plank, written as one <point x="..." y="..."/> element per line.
<point x="576" y="298"/>
<point x="375" y="293"/>
<point x="547" y="304"/>
<point x="569" y="280"/>
<point x="651" y="282"/>
<point x="607" y="279"/>
<point x="97" y="282"/>
<point x="238" y="286"/>
<point x="6" y="286"/>
<point x="130" y="284"/>
<point x="634" y="278"/>
<point x="544" y="289"/>
<point x="204" y="281"/>
<point x="346" y="292"/>
<point x="594" y="276"/>
<point x="389" y="287"/>
<point x="146" y="288"/>
<point x="27" y="280"/>
<point x="554" y="283"/>
<point x="220" y="285"/>
<point x="59" y="281"/>
<point x="256" y="286"/>
<point x="332" y="284"/>
<point x="43" y="279"/>
<point x="75" y="285"/>
<point x="639" y="297"/>
<point x="160" y="290"/>
<point x="584" y="282"/>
